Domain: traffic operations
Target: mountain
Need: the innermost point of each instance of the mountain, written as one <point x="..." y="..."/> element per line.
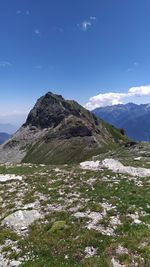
<point x="8" y="128"/>
<point x="4" y="137"/>
<point x="135" y="119"/>
<point x="59" y="131"/>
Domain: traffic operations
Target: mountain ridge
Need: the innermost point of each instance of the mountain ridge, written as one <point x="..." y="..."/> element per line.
<point x="59" y="131"/>
<point x="135" y="119"/>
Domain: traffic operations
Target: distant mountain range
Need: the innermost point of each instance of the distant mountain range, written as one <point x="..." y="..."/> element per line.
<point x="4" y="137"/>
<point x="8" y="128"/>
<point x="59" y="131"/>
<point x="135" y="119"/>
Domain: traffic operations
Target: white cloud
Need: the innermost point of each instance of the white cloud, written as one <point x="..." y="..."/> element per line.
<point x="4" y="64"/>
<point x="139" y="91"/>
<point x="111" y="98"/>
<point x="84" y="25"/>
<point x="106" y="99"/>
<point x="19" y="12"/>
<point x="93" y="18"/>
<point x="37" y="32"/>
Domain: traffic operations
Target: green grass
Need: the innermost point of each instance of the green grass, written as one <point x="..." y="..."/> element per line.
<point x="59" y="238"/>
<point x="7" y="234"/>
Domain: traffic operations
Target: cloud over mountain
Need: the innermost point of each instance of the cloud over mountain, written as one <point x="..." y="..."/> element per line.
<point x="112" y="98"/>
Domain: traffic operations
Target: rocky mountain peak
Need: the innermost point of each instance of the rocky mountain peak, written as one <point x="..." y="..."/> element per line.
<point x="48" y="111"/>
<point x="59" y="131"/>
<point x="51" y="109"/>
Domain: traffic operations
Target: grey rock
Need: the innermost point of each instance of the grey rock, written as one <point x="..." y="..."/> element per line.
<point x="15" y="149"/>
<point x="15" y="263"/>
<point x="21" y="219"/>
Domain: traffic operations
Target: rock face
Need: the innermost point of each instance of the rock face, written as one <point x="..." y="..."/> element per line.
<point x="58" y="131"/>
<point x="51" y="110"/>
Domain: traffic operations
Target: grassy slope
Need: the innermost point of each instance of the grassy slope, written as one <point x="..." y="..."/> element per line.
<point x="48" y="245"/>
<point x="60" y="152"/>
<point x="73" y="150"/>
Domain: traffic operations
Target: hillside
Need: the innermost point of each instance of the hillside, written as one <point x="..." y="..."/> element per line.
<point x="59" y="131"/>
<point x="135" y="119"/>
<point x="93" y="214"/>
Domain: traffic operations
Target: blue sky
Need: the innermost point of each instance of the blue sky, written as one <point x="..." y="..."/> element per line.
<point x="78" y="48"/>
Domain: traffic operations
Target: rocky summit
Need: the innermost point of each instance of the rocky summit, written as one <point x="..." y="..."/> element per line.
<point x="59" y="131"/>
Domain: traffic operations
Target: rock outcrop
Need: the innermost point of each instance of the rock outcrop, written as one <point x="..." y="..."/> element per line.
<point x="59" y="131"/>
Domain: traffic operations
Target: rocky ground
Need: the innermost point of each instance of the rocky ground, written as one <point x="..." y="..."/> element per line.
<point x="93" y="214"/>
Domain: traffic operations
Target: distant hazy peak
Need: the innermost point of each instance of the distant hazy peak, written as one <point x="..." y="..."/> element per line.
<point x="135" y="119"/>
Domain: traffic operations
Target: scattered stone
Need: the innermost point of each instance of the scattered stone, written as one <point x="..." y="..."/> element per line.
<point x="95" y="218"/>
<point x="4" y="256"/>
<point x="66" y="257"/>
<point x="65" y="193"/>
<point x="137" y="221"/>
<point x="115" y="221"/>
<point x="3" y="261"/>
<point x="55" y="207"/>
<point x="90" y="252"/>
<point x="121" y="250"/>
<point x="15" y="263"/>
<point x="34" y="205"/>
<point x="106" y="207"/>
<point x="9" y="177"/>
<point x="90" y="165"/>
<point x="117" y="166"/>
<point x="80" y="214"/>
<point x="57" y="170"/>
<point x="21" y="219"/>
<point x="137" y="159"/>
<point x="116" y="264"/>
